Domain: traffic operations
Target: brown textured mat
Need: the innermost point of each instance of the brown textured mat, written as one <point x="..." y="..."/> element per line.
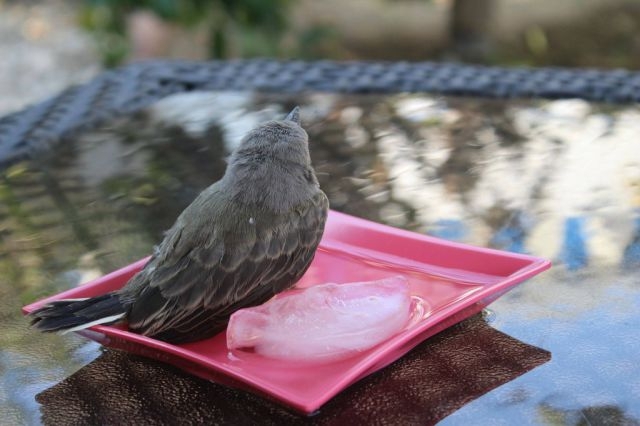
<point x="430" y="382"/>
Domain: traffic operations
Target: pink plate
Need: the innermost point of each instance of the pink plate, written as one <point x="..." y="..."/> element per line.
<point x="455" y="280"/>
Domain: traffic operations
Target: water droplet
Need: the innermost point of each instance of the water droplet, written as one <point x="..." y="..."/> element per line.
<point x="488" y="315"/>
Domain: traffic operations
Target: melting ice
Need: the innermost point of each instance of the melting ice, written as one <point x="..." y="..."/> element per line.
<point x="325" y="322"/>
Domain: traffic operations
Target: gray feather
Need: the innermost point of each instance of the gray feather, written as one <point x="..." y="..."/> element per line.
<point x="245" y="238"/>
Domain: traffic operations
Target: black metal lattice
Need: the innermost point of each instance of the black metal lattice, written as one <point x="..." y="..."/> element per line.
<point x="136" y="86"/>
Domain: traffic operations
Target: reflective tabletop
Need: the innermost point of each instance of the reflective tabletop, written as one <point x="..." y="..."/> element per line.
<point x="556" y="179"/>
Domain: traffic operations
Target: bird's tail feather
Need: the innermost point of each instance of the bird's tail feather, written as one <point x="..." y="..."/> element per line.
<point x="76" y="314"/>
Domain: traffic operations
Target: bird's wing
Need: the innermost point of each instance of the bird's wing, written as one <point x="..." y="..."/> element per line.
<point x="197" y="286"/>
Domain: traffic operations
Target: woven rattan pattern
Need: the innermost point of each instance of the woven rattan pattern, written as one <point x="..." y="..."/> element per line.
<point x="135" y="86"/>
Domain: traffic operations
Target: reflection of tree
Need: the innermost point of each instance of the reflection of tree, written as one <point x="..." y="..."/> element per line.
<point x="440" y="163"/>
<point x="460" y="172"/>
<point x="28" y="230"/>
<point x="481" y="176"/>
<point x="596" y="415"/>
<point x="32" y="244"/>
<point x="178" y="168"/>
<point x="469" y="170"/>
<point x="347" y="170"/>
<point x="502" y="174"/>
<point x="39" y="242"/>
<point x="479" y="126"/>
<point x="631" y="256"/>
<point x="511" y="229"/>
<point x="52" y="216"/>
<point x="68" y="210"/>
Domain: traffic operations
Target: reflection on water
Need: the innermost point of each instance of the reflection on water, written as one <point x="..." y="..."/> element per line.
<point x="421" y="388"/>
<point x="556" y="179"/>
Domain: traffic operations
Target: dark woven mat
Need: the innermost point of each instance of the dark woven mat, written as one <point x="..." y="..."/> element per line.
<point x="433" y="380"/>
<point x="135" y="86"/>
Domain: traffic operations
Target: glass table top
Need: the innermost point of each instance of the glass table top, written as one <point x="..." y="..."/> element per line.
<point x="556" y="179"/>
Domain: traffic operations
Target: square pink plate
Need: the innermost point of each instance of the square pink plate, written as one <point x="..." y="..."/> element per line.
<point x="456" y="280"/>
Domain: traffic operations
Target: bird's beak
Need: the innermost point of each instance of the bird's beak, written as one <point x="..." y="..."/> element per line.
<point x="294" y="116"/>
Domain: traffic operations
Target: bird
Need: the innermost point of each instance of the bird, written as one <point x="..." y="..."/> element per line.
<point x="247" y="237"/>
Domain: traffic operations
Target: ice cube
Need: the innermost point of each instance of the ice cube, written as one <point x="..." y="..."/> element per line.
<point x="324" y="322"/>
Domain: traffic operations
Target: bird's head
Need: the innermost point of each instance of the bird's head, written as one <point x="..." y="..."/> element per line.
<point x="281" y="141"/>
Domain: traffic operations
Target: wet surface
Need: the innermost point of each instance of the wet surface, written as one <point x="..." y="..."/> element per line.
<point x="424" y="386"/>
<point x="555" y="179"/>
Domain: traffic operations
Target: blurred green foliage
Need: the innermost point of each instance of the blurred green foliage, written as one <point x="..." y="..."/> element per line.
<point x="606" y="35"/>
<point x="253" y="27"/>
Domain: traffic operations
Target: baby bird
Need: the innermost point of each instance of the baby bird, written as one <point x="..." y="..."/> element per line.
<point x="244" y="239"/>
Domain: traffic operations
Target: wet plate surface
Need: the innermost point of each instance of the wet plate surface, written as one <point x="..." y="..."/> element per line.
<point x="452" y="282"/>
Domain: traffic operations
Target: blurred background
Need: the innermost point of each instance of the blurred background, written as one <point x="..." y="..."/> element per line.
<point x="47" y="45"/>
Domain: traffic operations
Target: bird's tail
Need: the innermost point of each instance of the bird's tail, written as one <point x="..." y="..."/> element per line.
<point x="77" y="314"/>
